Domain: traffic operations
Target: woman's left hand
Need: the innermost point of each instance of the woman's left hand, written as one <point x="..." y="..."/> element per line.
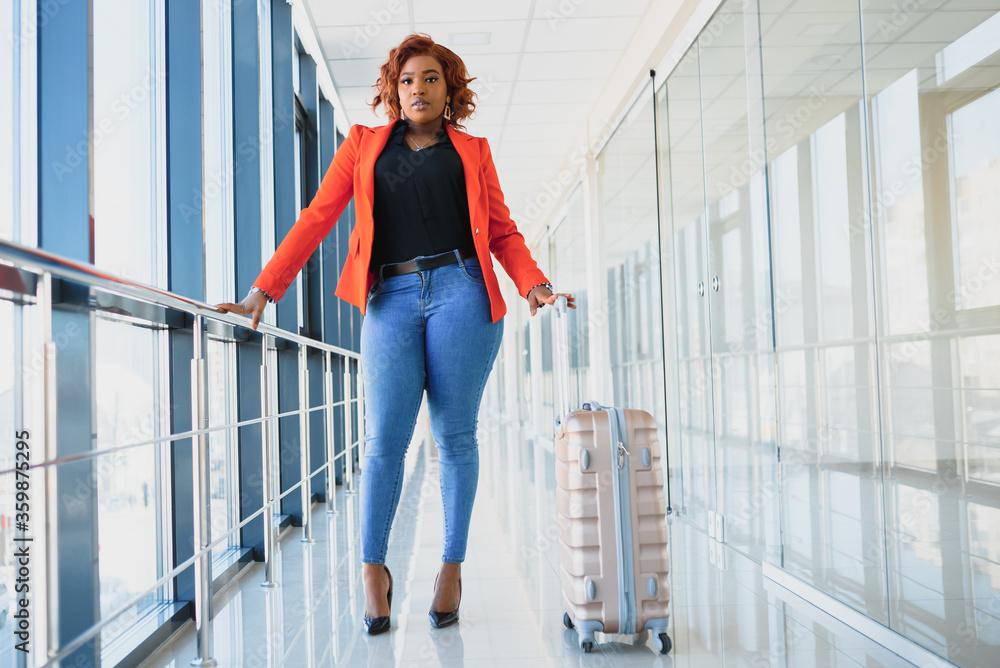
<point x="541" y="295"/>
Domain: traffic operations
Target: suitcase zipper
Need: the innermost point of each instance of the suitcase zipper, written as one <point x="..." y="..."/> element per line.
<point x="623" y="508"/>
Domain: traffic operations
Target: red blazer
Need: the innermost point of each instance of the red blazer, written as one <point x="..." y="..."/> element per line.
<point x="352" y="173"/>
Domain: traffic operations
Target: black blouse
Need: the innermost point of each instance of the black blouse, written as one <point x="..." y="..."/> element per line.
<point x="421" y="206"/>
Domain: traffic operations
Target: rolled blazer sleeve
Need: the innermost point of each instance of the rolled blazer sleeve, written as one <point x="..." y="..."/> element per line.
<point x="506" y="243"/>
<point x="315" y="221"/>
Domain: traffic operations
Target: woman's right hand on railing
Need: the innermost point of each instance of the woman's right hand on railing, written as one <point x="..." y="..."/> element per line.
<point x="252" y="305"/>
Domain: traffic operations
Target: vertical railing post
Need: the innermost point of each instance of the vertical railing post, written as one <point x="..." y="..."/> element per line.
<point x="265" y="440"/>
<point x="348" y="427"/>
<point x="49" y="423"/>
<point x="202" y="501"/>
<point x="304" y="440"/>
<point x="331" y="463"/>
<point x="361" y="417"/>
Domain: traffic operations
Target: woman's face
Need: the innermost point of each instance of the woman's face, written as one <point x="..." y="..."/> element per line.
<point x="422" y="89"/>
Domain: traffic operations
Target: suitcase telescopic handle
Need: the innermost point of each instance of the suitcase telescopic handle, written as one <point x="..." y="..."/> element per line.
<point x="561" y="327"/>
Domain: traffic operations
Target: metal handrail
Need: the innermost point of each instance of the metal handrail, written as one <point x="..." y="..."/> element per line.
<point x="48" y="265"/>
<point x="90" y="454"/>
<point x="77" y="642"/>
<point x="40" y="261"/>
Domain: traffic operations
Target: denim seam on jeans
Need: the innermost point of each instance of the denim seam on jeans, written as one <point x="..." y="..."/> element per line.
<point x="396" y="492"/>
<point x="482" y="386"/>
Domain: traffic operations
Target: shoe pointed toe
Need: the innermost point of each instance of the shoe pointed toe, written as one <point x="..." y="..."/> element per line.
<point x="442" y="619"/>
<point x="376" y="625"/>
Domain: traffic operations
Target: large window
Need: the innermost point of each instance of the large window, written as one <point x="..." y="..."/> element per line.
<point x="127" y="83"/>
<point x="935" y="152"/>
<point x="130" y="407"/>
<point x="217" y="185"/>
<point x="9" y="96"/>
<point x="131" y="404"/>
<point x="224" y="474"/>
<point x="9" y="424"/>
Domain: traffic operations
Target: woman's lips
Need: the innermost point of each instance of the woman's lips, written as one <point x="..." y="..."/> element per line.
<point x="420" y="104"/>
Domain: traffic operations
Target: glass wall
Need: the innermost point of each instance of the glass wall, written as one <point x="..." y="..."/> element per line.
<point x="932" y="77"/>
<point x="832" y="525"/>
<point x="852" y="228"/>
<point x="829" y="185"/>
<point x="626" y="187"/>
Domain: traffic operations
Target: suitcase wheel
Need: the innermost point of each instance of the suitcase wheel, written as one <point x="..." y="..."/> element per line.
<point x="567" y="621"/>
<point x="586" y="640"/>
<point x="662" y="643"/>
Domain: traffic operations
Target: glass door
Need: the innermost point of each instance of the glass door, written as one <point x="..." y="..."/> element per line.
<point x="738" y="292"/>
<point x="696" y="416"/>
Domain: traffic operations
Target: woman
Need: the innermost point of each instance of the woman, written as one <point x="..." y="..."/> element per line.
<point x="429" y="214"/>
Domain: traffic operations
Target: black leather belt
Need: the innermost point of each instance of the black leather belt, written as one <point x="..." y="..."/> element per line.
<point x="423" y="263"/>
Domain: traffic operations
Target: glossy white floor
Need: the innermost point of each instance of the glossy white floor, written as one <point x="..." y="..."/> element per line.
<point x="511" y="612"/>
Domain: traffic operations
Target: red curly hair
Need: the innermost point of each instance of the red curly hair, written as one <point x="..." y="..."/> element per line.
<point x="456" y="77"/>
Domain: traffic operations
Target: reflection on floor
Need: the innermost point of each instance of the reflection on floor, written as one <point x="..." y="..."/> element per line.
<point x="511" y="612"/>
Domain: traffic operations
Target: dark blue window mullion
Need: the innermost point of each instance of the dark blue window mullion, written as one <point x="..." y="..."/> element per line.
<point x="247" y="242"/>
<point x="332" y="310"/>
<point x="315" y="269"/>
<point x="63" y="214"/>
<point x="184" y="261"/>
<point x="285" y="215"/>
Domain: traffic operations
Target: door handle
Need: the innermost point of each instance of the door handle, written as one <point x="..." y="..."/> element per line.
<point x="701" y="289"/>
<point x="716" y="283"/>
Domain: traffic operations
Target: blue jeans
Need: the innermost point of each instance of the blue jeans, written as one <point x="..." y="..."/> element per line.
<point x="427" y="330"/>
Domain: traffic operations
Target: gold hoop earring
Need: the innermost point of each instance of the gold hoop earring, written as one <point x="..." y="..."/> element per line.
<point x="447" y="110"/>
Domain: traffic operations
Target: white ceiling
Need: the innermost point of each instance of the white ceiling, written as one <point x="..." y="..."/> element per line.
<point x="538" y="79"/>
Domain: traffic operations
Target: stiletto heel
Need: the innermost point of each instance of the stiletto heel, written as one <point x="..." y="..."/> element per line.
<point x="441" y="619"/>
<point x="381" y="624"/>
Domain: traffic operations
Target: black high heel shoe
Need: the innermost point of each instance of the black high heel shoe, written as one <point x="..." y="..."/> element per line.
<point x="380" y="624"/>
<point x="441" y="619"/>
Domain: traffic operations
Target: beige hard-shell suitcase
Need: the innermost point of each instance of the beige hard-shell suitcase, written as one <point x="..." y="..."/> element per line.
<point x="611" y="516"/>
